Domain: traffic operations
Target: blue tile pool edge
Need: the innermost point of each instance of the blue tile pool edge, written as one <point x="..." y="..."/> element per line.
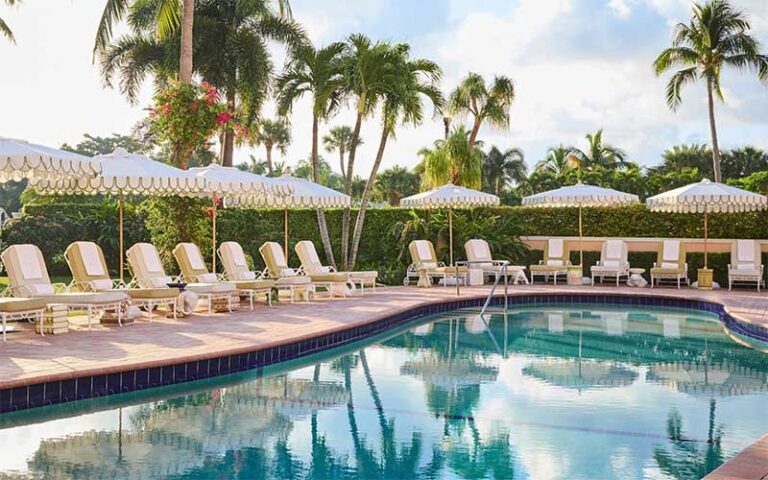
<point x="85" y="387"/>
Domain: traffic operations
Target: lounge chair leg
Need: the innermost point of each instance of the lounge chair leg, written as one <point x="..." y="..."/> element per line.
<point x="251" y="299"/>
<point x="4" y="318"/>
<point x="90" y="314"/>
<point x="120" y="316"/>
<point x="210" y="304"/>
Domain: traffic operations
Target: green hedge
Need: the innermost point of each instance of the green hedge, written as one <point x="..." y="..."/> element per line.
<point x="382" y="248"/>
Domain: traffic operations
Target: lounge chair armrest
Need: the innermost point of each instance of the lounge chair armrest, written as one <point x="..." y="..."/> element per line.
<point x="7" y="292"/>
<point x="60" y="288"/>
<point x="441" y="264"/>
<point x="221" y="277"/>
<point x="655" y="265"/>
<point x="729" y="266"/>
<point x="82" y="286"/>
<point x="119" y="285"/>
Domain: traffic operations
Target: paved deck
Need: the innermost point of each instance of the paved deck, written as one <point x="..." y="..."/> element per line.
<point x="28" y="358"/>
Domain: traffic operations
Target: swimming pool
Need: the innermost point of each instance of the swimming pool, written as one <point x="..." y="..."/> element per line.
<point x="543" y="392"/>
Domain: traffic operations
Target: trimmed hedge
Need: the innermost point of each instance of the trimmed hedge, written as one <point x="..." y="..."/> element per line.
<point x="54" y="226"/>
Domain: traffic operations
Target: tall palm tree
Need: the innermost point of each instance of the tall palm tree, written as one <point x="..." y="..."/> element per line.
<point x="365" y="64"/>
<point x="273" y="134"/>
<point x="600" y="154"/>
<point x="453" y="161"/>
<point x="231" y="53"/>
<point x="395" y="183"/>
<point x="716" y="37"/>
<point x="340" y="139"/>
<point x="405" y="83"/>
<point x="5" y="30"/>
<point x="502" y="168"/>
<point x="680" y="157"/>
<point x="485" y="103"/>
<point x="319" y="73"/>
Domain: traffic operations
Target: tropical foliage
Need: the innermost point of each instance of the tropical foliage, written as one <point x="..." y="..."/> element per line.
<point x="272" y="134"/>
<point x="715" y="38"/>
<point x="454" y="161"/>
<point x="5" y="30"/>
<point x="484" y="103"/>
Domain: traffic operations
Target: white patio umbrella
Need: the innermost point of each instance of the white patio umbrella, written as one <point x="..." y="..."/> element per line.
<point x="127" y="173"/>
<point x="304" y="194"/>
<point x="20" y="159"/>
<point x="705" y="197"/>
<point x="450" y="196"/>
<point x="580" y="196"/>
<point x="231" y="182"/>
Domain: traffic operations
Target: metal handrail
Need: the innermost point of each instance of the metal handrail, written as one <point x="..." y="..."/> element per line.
<point x="502" y="272"/>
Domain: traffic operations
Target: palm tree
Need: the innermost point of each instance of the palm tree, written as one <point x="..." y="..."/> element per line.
<point x="365" y="65"/>
<point x="395" y="183"/>
<point x="502" y="168"/>
<point x="273" y="134"/>
<point x="318" y="72"/>
<point x="340" y="139"/>
<point x="716" y="37"/>
<point x="405" y="82"/>
<point x="231" y="53"/>
<point x="5" y="30"/>
<point x="453" y="161"/>
<point x="559" y="161"/>
<point x="473" y="96"/>
<point x="600" y="154"/>
<point x="745" y="161"/>
<point x="680" y="157"/>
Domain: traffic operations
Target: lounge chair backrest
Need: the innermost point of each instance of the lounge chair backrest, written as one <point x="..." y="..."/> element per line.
<point x="423" y="253"/>
<point x="671" y="254"/>
<point x="147" y="267"/>
<point x="191" y="263"/>
<point x="26" y="269"/>
<point x="746" y="255"/>
<point x="556" y="252"/>
<point x="614" y="253"/>
<point x="234" y="262"/>
<point x="274" y="258"/>
<point x="88" y="266"/>
<point x="310" y="261"/>
<point x="478" y="250"/>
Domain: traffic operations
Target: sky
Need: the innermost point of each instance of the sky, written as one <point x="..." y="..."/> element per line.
<point x="578" y="66"/>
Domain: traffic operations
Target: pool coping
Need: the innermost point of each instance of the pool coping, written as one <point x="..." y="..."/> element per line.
<point x="43" y="390"/>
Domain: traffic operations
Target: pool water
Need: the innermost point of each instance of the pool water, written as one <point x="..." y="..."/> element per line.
<point x="587" y="392"/>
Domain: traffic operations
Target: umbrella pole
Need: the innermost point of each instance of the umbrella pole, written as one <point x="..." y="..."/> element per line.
<point x="450" y="235"/>
<point x="120" y="234"/>
<point x="285" y="234"/>
<point x="581" y="242"/>
<point x="706" y="254"/>
<point x="213" y="235"/>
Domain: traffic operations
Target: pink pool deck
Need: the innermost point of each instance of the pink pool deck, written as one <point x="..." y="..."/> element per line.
<point x="28" y="358"/>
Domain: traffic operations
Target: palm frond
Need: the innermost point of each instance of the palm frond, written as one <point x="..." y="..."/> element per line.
<point x="114" y="10"/>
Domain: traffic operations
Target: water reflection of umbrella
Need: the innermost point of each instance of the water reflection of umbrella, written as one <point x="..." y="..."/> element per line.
<point x="475" y="324"/>
<point x="580" y="374"/>
<point x="290" y="396"/>
<point x="703" y="379"/>
<point x="422" y="330"/>
<point x="449" y="373"/>
<point x="99" y="455"/>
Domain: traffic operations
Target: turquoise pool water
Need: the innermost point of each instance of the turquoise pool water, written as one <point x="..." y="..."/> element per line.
<point x="540" y="393"/>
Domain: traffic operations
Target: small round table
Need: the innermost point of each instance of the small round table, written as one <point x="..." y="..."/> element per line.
<point x="636" y="277"/>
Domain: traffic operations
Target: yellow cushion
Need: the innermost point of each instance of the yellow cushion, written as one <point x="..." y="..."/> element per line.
<point x="14" y="305"/>
<point x="153" y="293"/>
<point x="330" y="277"/>
<point x="254" y="284"/>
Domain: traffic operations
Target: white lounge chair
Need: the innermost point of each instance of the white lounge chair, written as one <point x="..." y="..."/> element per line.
<point x="286" y="278"/>
<point x="479" y="255"/>
<point x="29" y="278"/>
<point x="426" y="266"/>
<point x="319" y="273"/>
<point x="670" y="263"/>
<point x="613" y="262"/>
<point x="555" y="262"/>
<point x="746" y="263"/>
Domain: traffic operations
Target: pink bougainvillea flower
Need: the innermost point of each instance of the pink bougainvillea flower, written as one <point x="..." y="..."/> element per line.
<point x="223" y="117"/>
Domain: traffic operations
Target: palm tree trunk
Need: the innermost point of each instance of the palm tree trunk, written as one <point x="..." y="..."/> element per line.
<point x="364" y="200"/>
<point x="229" y="134"/>
<point x="713" y="132"/>
<point x="268" y="148"/>
<point x="345" y="223"/>
<point x="187" y="24"/>
<point x="341" y="164"/>
<point x="473" y="134"/>
<point x="321" y="223"/>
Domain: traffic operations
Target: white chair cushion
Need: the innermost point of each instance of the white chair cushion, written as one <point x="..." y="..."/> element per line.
<point x="101" y="284"/>
<point x="554" y="263"/>
<point x="91" y="261"/>
<point x="669" y="265"/>
<point x="746" y="250"/>
<point x="193" y="254"/>
<point x="246" y="275"/>
<point x="746" y="266"/>
<point x="670" y="250"/>
<point x="613" y="249"/>
<point x="160" y="282"/>
<point x="40" y="289"/>
<point x="611" y="263"/>
<point x="555" y="247"/>
<point x="151" y="258"/>
<point x="287" y="272"/>
<point x="207" y="278"/>
<point x="422" y="248"/>
<point x="30" y="266"/>
<point x="429" y="265"/>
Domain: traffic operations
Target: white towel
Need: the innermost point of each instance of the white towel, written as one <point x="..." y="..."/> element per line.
<point x="91" y="261"/>
<point x="746" y="250"/>
<point x="151" y="258"/>
<point x="671" y="250"/>
<point x="278" y="255"/>
<point x="614" y="324"/>
<point x="246" y="276"/>
<point x="555" y="248"/>
<point x="30" y="262"/>
<point x="422" y="248"/>
<point x="193" y="254"/>
<point x="671" y="328"/>
<point x="238" y="256"/>
<point x="613" y="249"/>
<point x="313" y="258"/>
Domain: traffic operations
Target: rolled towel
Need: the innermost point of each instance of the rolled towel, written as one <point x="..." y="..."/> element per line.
<point x="187" y="302"/>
